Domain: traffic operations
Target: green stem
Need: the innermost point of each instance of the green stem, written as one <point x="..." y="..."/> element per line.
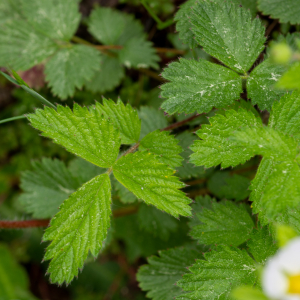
<point x="12" y="119"/>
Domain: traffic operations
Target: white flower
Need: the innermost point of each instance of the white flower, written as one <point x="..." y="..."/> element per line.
<point x="281" y="276"/>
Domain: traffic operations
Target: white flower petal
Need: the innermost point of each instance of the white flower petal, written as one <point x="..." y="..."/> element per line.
<point x="289" y="257"/>
<point x="291" y="297"/>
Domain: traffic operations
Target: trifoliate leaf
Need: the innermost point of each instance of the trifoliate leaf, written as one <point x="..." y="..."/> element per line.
<point x="226" y="31"/>
<point x="261" y="245"/>
<point x="83" y="132"/>
<point x="112" y="27"/>
<point x="156" y="222"/>
<point x="225" y="223"/>
<point x="138" y="53"/>
<point x="152" y="119"/>
<point x="108" y="77"/>
<point x="70" y="68"/>
<point x="291" y="78"/>
<point x="223" y="185"/>
<point x="267" y="142"/>
<point x="164" y="145"/>
<point x="287" y="11"/>
<point x="159" y="276"/>
<point x="124" y="118"/>
<point x="215" y="147"/>
<point x="285" y="115"/>
<point x="14" y="283"/>
<point x="215" y="277"/>
<point x="79" y="227"/>
<point x="199" y="86"/>
<point x="153" y="182"/>
<point x="187" y="170"/>
<point x="46" y="187"/>
<point x="261" y="82"/>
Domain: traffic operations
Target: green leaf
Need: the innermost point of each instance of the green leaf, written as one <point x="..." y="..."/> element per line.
<point x="164" y="145"/>
<point x="215" y="277"/>
<point x="291" y="217"/>
<point x="124" y="118"/>
<point x="152" y="182"/>
<point x="108" y="77"/>
<point x="80" y="226"/>
<point x="285" y="115"/>
<point x="226" y="31"/>
<point x="291" y="78"/>
<point x="156" y="222"/>
<point x="261" y="82"/>
<point x="152" y="119"/>
<point x="82" y="132"/>
<point x="14" y="283"/>
<point x="159" y="276"/>
<point x="261" y="245"/>
<point x="139" y="53"/>
<point x="248" y="293"/>
<point x="70" y="68"/>
<point x="287" y="11"/>
<point x="267" y="142"/>
<point x="199" y="86"/>
<point x="124" y="195"/>
<point x="46" y="187"/>
<point x="225" y="223"/>
<point x="187" y="170"/>
<point x="215" y="148"/>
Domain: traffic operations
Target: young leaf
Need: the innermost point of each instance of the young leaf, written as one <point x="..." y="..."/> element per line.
<point x="159" y="276"/>
<point x="285" y="115"/>
<point x="164" y="145"/>
<point x="267" y="142"/>
<point x="215" y="148"/>
<point x="290" y="79"/>
<point x="226" y="31"/>
<point x="287" y="11"/>
<point x="124" y="118"/>
<point x="46" y="187"/>
<point x="70" y="68"/>
<point x="199" y="86"/>
<point x="142" y="174"/>
<point x="215" y="277"/>
<point x="79" y="227"/>
<point x="156" y="222"/>
<point x="225" y="223"/>
<point x="261" y="82"/>
<point x="83" y="132"/>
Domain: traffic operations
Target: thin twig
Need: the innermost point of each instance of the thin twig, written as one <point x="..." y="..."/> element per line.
<point x="24" y="224"/>
<point x="271" y="27"/>
<point x="180" y="123"/>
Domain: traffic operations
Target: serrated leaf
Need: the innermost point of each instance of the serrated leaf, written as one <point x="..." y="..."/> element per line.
<point x="139" y="53"/>
<point x="225" y="223"/>
<point x="159" y="276"/>
<point x="226" y="31"/>
<point x="124" y="118"/>
<point x="215" y="277"/>
<point x="291" y="217"/>
<point x="70" y="68"/>
<point x="285" y="115"/>
<point x="46" y="187"/>
<point x="261" y="84"/>
<point x="153" y="182"/>
<point x="80" y="226"/>
<point x="215" y="147"/>
<point x="125" y="195"/>
<point x="200" y="203"/>
<point x="187" y="170"/>
<point x="287" y="11"/>
<point x="152" y="119"/>
<point x="156" y="222"/>
<point x="164" y="145"/>
<point x="291" y="78"/>
<point x="199" y="86"/>
<point x="267" y="142"/>
<point x="83" y="132"/>
<point x="261" y="245"/>
<point x="107" y="77"/>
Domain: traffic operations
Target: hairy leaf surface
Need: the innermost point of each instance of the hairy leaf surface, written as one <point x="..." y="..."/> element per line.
<point x="153" y="182"/>
<point x="199" y="86"/>
<point x="79" y="227"/>
<point x="83" y="132"/>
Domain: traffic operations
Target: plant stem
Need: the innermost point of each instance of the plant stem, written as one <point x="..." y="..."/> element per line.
<point x="24" y="224"/>
<point x="180" y="123"/>
<point x="12" y="119"/>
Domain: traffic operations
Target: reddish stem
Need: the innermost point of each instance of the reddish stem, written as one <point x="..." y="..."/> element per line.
<point x="24" y="224"/>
